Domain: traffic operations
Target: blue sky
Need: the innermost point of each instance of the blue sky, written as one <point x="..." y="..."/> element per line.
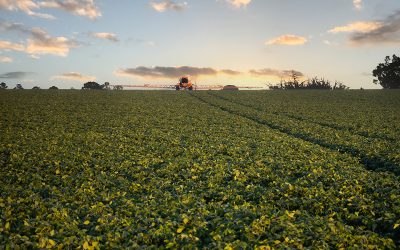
<point x="242" y="42"/>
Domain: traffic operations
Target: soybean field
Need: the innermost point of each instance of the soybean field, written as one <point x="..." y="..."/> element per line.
<point x="202" y="169"/>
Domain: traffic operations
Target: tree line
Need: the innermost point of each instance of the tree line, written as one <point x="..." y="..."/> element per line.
<point x="96" y="86"/>
<point x="313" y="83"/>
<point x="3" y="85"/>
<point x="387" y="74"/>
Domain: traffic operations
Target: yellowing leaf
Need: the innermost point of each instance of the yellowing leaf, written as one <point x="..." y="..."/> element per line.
<point x="290" y="215"/>
<point x="86" y="245"/>
<point x="228" y="247"/>
<point x="52" y="242"/>
<point x="180" y="229"/>
<point x="186" y="220"/>
<point x="396" y="226"/>
<point x="7" y="225"/>
<point x="86" y="222"/>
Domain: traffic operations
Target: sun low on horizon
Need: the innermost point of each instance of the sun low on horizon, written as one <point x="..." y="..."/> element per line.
<point x="242" y="42"/>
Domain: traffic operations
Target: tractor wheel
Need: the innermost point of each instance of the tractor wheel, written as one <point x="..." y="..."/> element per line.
<point x="191" y="88"/>
<point x="177" y="87"/>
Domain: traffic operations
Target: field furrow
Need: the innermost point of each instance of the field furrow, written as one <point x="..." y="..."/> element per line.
<point x="375" y="154"/>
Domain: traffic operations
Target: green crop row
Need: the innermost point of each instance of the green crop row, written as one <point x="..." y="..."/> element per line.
<point x="375" y="153"/>
<point x="367" y="113"/>
<point x="158" y="169"/>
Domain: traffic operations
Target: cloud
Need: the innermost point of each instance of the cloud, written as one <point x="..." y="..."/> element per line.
<point x="167" y="5"/>
<point x="329" y="43"/>
<point x="287" y="40"/>
<point x="239" y="3"/>
<point x="386" y="31"/>
<point x="26" y="6"/>
<point x="35" y="57"/>
<point x="39" y="41"/>
<point x="357" y="4"/>
<point x="176" y="72"/>
<point x="42" y="43"/>
<point x="104" y="35"/>
<point x="15" y="75"/>
<point x="275" y="73"/>
<point x="5" y="59"/>
<point x="85" y="8"/>
<point x="166" y="72"/>
<point x="6" y="45"/>
<point x="75" y="76"/>
<point x="361" y="27"/>
<point x="230" y="72"/>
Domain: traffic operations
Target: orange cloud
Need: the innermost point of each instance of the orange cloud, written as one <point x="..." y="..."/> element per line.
<point x="383" y="32"/>
<point x="26" y="6"/>
<point x="6" y="45"/>
<point x="291" y="40"/>
<point x="75" y="76"/>
<point x="239" y="3"/>
<point x="42" y="43"/>
<point x="39" y="41"/>
<point x="85" y="8"/>
<point x="357" y="27"/>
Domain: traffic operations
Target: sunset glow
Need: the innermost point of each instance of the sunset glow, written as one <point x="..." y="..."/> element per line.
<point x="65" y="43"/>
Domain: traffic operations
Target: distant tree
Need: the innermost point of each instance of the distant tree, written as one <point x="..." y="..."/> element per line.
<point x="339" y="86"/>
<point x="3" y="85"/>
<point x="53" y="88"/>
<point x="106" y="86"/>
<point x="92" y="85"/>
<point x="118" y="87"/>
<point x="36" y="87"/>
<point x="388" y="73"/>
<point x="19" y="86"/>
<point x="294" y="82"/>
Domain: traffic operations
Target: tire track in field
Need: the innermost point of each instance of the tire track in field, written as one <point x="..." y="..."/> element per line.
<point x="374" y="163"/>
<point x="322" y="124"/>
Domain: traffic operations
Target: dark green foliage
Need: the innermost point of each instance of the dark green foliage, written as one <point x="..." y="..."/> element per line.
<point x="118" y="87"/>
<point x="388" y="73"/>
<point x="92" y="85"/>
<point x="3" y="85"/>
<point x="106" y="86"/>
<point x="53" y="88"/>
<point x="19" y="86"/>
<point x="215" y="170"/>
<point x="36" y="88"/>
<point x="314" y="83"/>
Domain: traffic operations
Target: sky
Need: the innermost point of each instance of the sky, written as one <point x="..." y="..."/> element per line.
<point x="243" y="42"/>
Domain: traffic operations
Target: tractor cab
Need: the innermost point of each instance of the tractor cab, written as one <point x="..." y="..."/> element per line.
<point x="184" y="84"/>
